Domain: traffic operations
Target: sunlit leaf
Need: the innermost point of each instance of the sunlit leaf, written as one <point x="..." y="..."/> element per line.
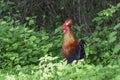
<point x="116" y="48"/>
<point x="117" y="26"/>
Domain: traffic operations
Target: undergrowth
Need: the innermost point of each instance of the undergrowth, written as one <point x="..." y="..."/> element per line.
<point x="49" y="70"/>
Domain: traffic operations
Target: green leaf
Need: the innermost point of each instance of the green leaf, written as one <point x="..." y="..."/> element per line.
<point x="112" y="39"/>
<point x="112" y="36"/>
<point x="32" y="38"/>
<point x="15" y="45"/>
<point x="118" y="5"/>
<point x="45" y="37"/>
<point x="3" y="23"/>
<point x="31" y="22"/>
<point x="27" y="18"/>
<point x="97" y="19"/>
<point x="116" y="48"/>
<point x="117" y="26"/>
<point x="58" y="30"/>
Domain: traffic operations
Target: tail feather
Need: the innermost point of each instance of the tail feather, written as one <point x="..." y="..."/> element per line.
<point x="81" y="52"/>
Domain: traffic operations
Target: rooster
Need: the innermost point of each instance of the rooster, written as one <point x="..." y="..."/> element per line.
<point x="71" y="48"/>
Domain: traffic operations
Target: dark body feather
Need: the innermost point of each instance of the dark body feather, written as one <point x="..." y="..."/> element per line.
<point x="72" y="49"/>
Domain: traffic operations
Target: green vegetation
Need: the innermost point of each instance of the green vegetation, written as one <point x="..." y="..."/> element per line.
<point x="30" y="53"/>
